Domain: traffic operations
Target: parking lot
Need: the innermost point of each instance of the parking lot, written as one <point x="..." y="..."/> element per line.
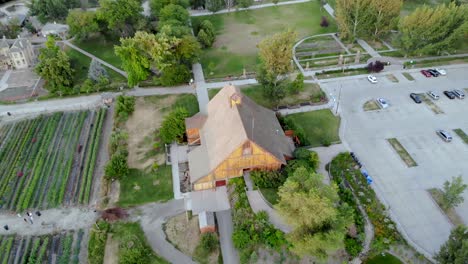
<point x="402" y="188"/>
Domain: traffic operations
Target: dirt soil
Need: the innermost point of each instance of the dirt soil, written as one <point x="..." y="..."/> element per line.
<point x="183" y="233"/>
<point x="111" y="250"/>
<point x="141" y="126"/>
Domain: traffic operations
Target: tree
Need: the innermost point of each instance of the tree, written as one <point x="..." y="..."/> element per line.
<point x="206" y="34"/>
<point x="455" y="250"/>
<point x="117" y="166"/>
<point x="47" y="10"/>
<point x="297" y="85"/>
<point x="431" y="30"/>
<point x="245" y="3"/>
<point x="82" y="23"/>
<point x="157" y="5"/>
<point x="324" y="22"/>
<point x="214" y="5"/>
<point x="124" y="16"/>
<point x="124" y="107"/>
<point x="276" y="53"/>
<point x="452" y="192"/>
<point x="386" y="14"/>
<point x="174" y="12"/>
<point x="310" y="206"/>
<point x="96" y="71"/>
<point x="173" y="126"/>
<point x="54" y="67"/>
<point x="134" y="60"/>
<point x="11" y="29"/>
<point x="376" y="66"/>
<point x="176" y="74"/>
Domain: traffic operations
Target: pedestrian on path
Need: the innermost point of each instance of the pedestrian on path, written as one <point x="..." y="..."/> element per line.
<point x="28" y="213"/>
<point x="25" y="220"/>
<point x="6" y="227"/>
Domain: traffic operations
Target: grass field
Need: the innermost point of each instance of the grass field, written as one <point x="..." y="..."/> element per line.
<point x="141" y="187"/>
<point x="101" y="48"/>
<point x="408" y="76"/>
<point x="402" y="152"/>
<point x="312" y="93"/>
<point x="80" y="63"/>
<point x="238" y="34"/>
<point x="320" y="127"/>
<point x="461" y="134"/>
<point x="371" y="105"/>
<point x="387" y="259"/>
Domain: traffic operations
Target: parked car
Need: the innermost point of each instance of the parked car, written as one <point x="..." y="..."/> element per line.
<point x="415" y="98"/>
<point x="372" y="79"/>
<point x="433" y="95"/>
<point x="449" y="94"/>
<point x="382" y="102"/>
<point x="444" y="135"/>
<point x="426" y="73"/>
<point x="459" y="94"/>
<point x="434" y="72"/>
<point x="441" y="71"/>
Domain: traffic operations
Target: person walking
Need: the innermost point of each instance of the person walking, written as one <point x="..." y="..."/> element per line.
<point x="38" y="213"/>
<point x="6" y="227"/>
<point x="25" y="220"/>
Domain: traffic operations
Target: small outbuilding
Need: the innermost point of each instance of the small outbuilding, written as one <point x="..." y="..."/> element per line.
<point x="54" y="29"/>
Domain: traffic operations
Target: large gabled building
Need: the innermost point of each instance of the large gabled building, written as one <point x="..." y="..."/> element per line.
<point x="234" y="135"/>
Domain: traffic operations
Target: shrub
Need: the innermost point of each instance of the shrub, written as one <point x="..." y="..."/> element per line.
<point x="97" y="242"/>
<point x="324" y="22"/>
<point x="174" y="75"/>
<point x="173" y="126"/>
<point x="206" y="33"/>
<point x="117" y="166"/>
<point x="301" y="153"/>
<point x="297" y="85"/>
<point x="352" y="246"/>
<point x="377" y="66"/>
<point x="267" y="179"/>
<point x="124" y="107"/>
<point x="214" y="5"/>
<point x="245" y="3"/>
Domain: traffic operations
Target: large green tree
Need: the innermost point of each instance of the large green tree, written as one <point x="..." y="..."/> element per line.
<point x="134" y="60"/>
<point x="366" y="18"/>
<point x="123" y="16"/>
<point x="455" y="250"/>
<point x="173" y="126"/>
<point x="431" y="30"/>
<point x="452" y="192"/>
<point x="54" y="67"/>
<point x="276" y="53"/>
<point x="82" y="23"/>
<point x="313" y="209"/>
<point x="47" y="10"/>
<point x="157" y="5"/>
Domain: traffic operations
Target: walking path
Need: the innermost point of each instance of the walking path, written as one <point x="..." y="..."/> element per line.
<point x="68" y="43"/>
<point x="51" y="221"/>
<point x="326" y="154"/>
<point x="200" y="85"/>
<point x="235" y="9"/>
<point x="225" y="229"/>
<point x="368" y="48"/>
<point x="329" y="10"/>
<point x="258" y="203"/>
<point x="152" y="217"/>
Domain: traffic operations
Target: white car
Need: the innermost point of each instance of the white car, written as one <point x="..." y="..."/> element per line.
<point x="372" y="79"/>
<point x="433" y="95"/>
<point x="382" y="102"/>
<point x="441" y="71"/>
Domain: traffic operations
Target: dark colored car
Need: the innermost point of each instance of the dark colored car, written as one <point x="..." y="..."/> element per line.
<point x="449" y="94"/>
<point x="434" y="72"/>
<point x="415" y="98"/>
<point x="426" y="73"/>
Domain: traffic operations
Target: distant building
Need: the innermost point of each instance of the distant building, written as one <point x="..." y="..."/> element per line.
<point x="54" y="29"/>
<point x="235" y="135"/>
<point x="20" y="55"/>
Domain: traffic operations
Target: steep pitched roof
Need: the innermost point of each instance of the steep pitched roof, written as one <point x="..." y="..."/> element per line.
<point x="19" y="44"/>
<point x="228" y="126"/>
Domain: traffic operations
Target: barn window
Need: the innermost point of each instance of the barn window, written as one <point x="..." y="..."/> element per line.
<point x="246" y="149"/>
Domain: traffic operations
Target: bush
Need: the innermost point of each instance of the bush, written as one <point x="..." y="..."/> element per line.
<point x="297" y="85"/>
<point x="352" y="246"/>
<point x="117" y="166"/>
<point x="209" y="242"/>
<point x="377" y="66"/>
<point x="214" y="5"/>
<point x="324" y="22"/>
<point x="174" y="75"/>
<point x="173" y="126"/>
<point x="97" y="242"/>
<point x="267" y="179"/>
<point x="245" y="3"/>
<point x="301" y="153"/>
<point x="124" y="107"/>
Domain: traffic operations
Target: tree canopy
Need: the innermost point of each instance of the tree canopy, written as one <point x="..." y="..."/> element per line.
<point x="82" y="23"/>
<point x="173" y="126"/>
<point x="455" y="250"/>
<point x="431" y="30"/>
<point x="276" y="53"/>
<point x="312" y="208"/>
<point x="47" y="10"/>
<point x="124" y="16"/>
<point x="54" y="67"/>
<point x="452" y="192"/>
<point x="157" y="5"/>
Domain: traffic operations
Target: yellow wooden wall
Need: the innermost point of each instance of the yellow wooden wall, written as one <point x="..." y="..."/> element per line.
<point x="234" y="165"/>
<point x="193" y="134"/>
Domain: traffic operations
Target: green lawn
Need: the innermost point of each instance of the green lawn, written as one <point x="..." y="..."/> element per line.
<point x="312" y="92"/>
<point x="461" y="134"/>
<point x="387" y="259"/>
<point x="101" y="48"/>
<point x="238" y="34"/>
<point x="80" y="63"/>
<point x="270" y="194"/>
<point x="320" y="127"/>
<point x="141" y="187"/>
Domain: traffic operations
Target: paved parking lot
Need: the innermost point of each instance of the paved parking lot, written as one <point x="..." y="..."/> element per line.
<point x="404" y="189"/>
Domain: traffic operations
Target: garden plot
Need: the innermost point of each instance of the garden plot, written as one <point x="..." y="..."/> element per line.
<point x="49" y="161"/>
<point x="58" y="248"/>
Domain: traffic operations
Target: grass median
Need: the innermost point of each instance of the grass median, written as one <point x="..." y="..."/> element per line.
<point x="371" y="105"/>
<point x="461" y="134"/>
<point x="402" y="152"/>
<point x="435" y="108"/>
<point x="450" y="213"/>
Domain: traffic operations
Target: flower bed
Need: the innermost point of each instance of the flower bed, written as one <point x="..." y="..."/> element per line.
<point x="49" y="161"/>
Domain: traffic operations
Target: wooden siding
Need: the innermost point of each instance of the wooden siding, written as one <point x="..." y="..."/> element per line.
<point x="240" y="160"/>
<point x="193" y="136"/>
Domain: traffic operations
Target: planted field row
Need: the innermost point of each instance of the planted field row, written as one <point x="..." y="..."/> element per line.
<point x="62" y="248"/>
<point x="49" y="161"/>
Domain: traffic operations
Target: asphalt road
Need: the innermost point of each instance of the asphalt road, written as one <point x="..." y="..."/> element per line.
<point x="404" y="189"/>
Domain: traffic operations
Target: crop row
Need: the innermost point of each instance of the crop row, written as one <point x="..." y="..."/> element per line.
<point x="40" y="249"/>
<point x="46" y="159"/>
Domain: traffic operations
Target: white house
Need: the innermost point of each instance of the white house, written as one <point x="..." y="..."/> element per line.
<point x="20" y="55"/>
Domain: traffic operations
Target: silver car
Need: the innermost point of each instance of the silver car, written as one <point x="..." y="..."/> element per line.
<point x="444" y="135"/>
<point x="459" y="94"/>
<point x="433" y="95"/>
